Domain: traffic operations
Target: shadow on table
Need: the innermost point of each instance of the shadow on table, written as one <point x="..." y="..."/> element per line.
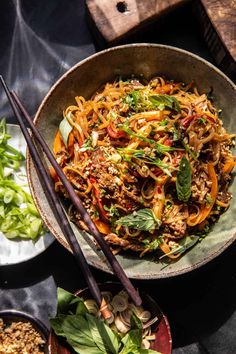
<point x="197" y="304"/>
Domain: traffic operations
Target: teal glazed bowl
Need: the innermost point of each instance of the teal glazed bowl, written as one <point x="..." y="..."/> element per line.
<point x="87" y="77"/>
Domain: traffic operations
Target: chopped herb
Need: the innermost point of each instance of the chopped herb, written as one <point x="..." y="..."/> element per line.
<point x="132" y="99"/>
<point x="175" y="131"/>
<point x="153" y="245"/>
<point x="202" y="120"/>
<point x="189" y="150"/>
<point x="87" y="145"/>
<point x="112" y="210"/>
<point x="18" y="214"/>
<point x="165" y="101"/>
<point x="184" y="180"/>
<point x="163" y="122"/>
<point x="128" y="154"/>
<point x="159" y="147"/>
<point x="209" y="199"/>
<point x="113" y="115"/>
<point x="143" y="219"/>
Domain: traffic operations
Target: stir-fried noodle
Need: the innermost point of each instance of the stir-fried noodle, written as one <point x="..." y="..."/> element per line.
<point x="151" y="162"/>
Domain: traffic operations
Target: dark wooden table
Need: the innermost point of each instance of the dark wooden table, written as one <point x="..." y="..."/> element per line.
<point x="39" y="41"/>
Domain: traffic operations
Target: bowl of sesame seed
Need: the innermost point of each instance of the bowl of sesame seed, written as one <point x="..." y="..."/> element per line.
<point x="22" y="333"/>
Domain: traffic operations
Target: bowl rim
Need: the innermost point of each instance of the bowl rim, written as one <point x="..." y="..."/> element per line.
<point x="107" y="269"/>
<point x="115" y="48"/>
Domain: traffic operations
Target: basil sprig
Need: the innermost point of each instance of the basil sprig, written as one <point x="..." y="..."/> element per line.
<point x="165" y="101"/>
<point x="139" y="101"/>
<point x="184" y="180"/>
<point x="88" y="334"/>
<point x="160" y="148"/>
<point x="143" y="219"/>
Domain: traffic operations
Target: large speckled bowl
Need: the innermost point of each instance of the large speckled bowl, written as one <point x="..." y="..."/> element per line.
<point x="84" y="79"/>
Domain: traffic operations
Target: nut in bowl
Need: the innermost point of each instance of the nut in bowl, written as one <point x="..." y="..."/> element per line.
<point x="22" y="333"/>
<point x="122" y="333"/>
<point x="171" y="140"/>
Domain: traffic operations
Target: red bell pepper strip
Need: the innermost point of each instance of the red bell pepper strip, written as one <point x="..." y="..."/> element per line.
<point x="114" y="133"/>
<point x="186" y="121"/>
<point x="97" y="195"/>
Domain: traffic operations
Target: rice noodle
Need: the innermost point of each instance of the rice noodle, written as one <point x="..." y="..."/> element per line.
<point x="124" y="153"/>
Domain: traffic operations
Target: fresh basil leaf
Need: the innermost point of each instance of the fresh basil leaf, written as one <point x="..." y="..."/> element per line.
<point x="65" y="300"/>
<point x="76" y="328"/>
<point x="143" y="219"/>
<point x="131" y="341"/>
<point x="84" y="349"/>
<point x="165" y="101"/>
<point x="65" y="129"/>
<point x="56" y="324"/>
<point x="184" y="244"/>
<point x="132" y="99"/>
<point x="135" y="322"/>
<point x="107" y="340"/>
<point x="184" y="180"/>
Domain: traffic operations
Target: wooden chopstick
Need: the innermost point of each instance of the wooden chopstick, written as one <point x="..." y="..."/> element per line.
<point x="58" y="211"/>
<point x="118" y="270"/>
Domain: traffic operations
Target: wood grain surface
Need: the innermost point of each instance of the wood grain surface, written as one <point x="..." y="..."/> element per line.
<point x="222" y="14"/>
<point x="114" y="19"/>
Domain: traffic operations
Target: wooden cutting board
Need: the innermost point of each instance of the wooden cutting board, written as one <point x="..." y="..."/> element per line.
<point x="115" y="20"/>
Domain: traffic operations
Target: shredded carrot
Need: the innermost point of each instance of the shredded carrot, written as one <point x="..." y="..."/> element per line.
<point x="229" y="165"/>
<point x="102" y="227"/>
<point x="53" y="174"/>
<point x="58" y="143"/>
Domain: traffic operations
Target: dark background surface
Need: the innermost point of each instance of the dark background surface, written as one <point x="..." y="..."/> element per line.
<point x="40" y="40"/>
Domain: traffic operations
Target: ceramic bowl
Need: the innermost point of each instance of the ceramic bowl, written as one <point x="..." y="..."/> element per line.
<point x="163" y="341"/>
<point x="148" y="60"/>
<point x="9" y="316"/>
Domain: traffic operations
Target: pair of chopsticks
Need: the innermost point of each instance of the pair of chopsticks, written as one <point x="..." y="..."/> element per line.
<point x="59" y="212"/>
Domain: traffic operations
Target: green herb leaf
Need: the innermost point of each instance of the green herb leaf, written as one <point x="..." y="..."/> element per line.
<point x="153" y="245"/>
<point x="188" y="149"/>
<point x="112" y="210"/>
<point x="106" y="339"/>
<point x="184" y="244"/>
<point x="175" y="131"/>
<point x="65" y="129"/>
<point x="159" y="147"/>
<point x="87" y="145"/>
<point x="184" y="180"/>
<point x="132" y="99"/>
<point x="143" y="219"/>
<point x="163" y="122"/>
<point x="202" y="120"/>
<point x="85" y="333"/>
<point x="128" y="154"/>
<point x="165" y="101"/>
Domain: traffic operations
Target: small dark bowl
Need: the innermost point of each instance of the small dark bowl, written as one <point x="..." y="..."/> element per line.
<point x="163" y="341"/>
<point x="9" y="316"/>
